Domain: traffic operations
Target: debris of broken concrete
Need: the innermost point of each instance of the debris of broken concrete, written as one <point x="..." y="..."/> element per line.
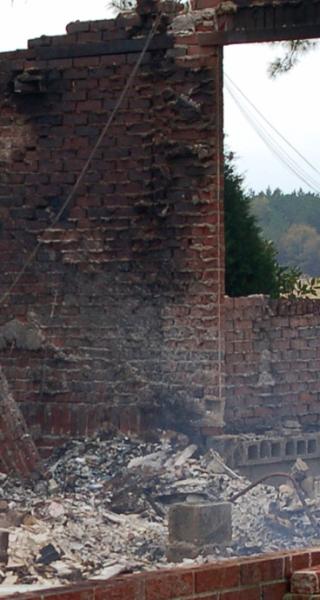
<point x="104" y="510"/>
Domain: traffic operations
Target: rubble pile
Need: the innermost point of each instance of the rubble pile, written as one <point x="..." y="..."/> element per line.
<point x="103" y="510"/>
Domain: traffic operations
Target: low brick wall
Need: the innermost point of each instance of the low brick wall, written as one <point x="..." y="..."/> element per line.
<point x="272" y="363"/>
<point x="247" y="579"/>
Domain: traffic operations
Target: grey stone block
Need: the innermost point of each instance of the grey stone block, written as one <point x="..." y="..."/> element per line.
<point x="200" y="524"/>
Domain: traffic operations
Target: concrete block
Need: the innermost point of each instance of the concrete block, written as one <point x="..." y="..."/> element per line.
<point x="200" y="524"/>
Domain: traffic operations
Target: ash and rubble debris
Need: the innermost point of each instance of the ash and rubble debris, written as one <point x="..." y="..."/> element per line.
<point x="103" y="510"/>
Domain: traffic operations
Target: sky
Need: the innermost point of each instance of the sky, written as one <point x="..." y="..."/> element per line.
<point x="290" y="103"/>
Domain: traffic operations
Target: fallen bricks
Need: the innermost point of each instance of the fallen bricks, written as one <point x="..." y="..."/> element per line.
<point x="105" y="504"/>
<point x="306" y="581"/>
<point x="305" y="584"/>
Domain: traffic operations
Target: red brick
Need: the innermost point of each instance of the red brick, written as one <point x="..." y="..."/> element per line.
<point x="262" y="570"/>
<point x="113" y="59"/>
<point x="89" y="36"/>
<point x="167" y="587"/>
<point x="315" y="557"/>
<point x="86" y="61"/>
<point x="246" y="594"/>
<point x="306" y="581"/>
<point x="70" y="593"/>
<point x="215" y="578"/>
<point x="191" y="39"/>
<point x="275" y="591"/>
<point x="89" y="105"/>
<point x="130" y="590"/>
<point x="297" y="561"/>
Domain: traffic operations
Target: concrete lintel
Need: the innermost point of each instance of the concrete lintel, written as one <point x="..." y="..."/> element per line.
<point x="225" y="38"/>
<point x="159" y="42"/>
<point x="248" y="21"/>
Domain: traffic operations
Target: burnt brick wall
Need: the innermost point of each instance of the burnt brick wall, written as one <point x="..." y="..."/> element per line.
<point x="119" y="316"/>
<point x="18" y="452"/>
<point x="272" y="363"/>
<point x="239" y="579"/>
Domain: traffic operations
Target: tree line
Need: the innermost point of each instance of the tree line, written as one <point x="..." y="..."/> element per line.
<point x="292" y="223"/>
<point x="272" y="239"/>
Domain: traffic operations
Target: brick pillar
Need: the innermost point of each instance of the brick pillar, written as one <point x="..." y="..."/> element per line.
<point x="18" y="453"/>
<point x="192" y="124"/>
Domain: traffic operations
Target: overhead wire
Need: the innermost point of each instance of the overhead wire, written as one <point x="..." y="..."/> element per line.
<point x="274" y="145"/>
<point x="271" y="125"/>
<point x="87" y="164"/>
<point x="275" y="148"/>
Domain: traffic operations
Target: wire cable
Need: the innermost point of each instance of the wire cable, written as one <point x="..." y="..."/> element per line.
<point x="277" y="150"/>
<point x="267" y="137"/>
<point x="91" y="156"/>
<point x="274" y="145"/>
<point x="272" y="126"/>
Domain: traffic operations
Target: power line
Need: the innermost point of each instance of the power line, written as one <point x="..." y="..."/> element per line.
<point x="275" y="148"/>
<point x="272" y="126"/>
<point x="274" y="145"/>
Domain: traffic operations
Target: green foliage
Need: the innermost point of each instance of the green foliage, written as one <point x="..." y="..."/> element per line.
<point x="288" y="279"/>
<point x="251" y="266"/>
<point x="293" y="285"/>
<point x="293" y="51"/>
<point x="292" y="222"/>
<point x="300" y="245"/>
<point x="251" y="261"/>
<point x="305" y="288"/>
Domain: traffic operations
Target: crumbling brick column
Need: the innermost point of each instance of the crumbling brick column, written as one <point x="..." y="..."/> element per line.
<point x="18" y="453"/>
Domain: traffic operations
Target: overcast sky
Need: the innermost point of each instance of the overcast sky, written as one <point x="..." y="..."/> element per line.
<point x="291" y="103"/>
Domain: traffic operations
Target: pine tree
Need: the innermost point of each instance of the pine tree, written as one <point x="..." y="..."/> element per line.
<point x="251" y="266"/>
<point x="293" y="51"/>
